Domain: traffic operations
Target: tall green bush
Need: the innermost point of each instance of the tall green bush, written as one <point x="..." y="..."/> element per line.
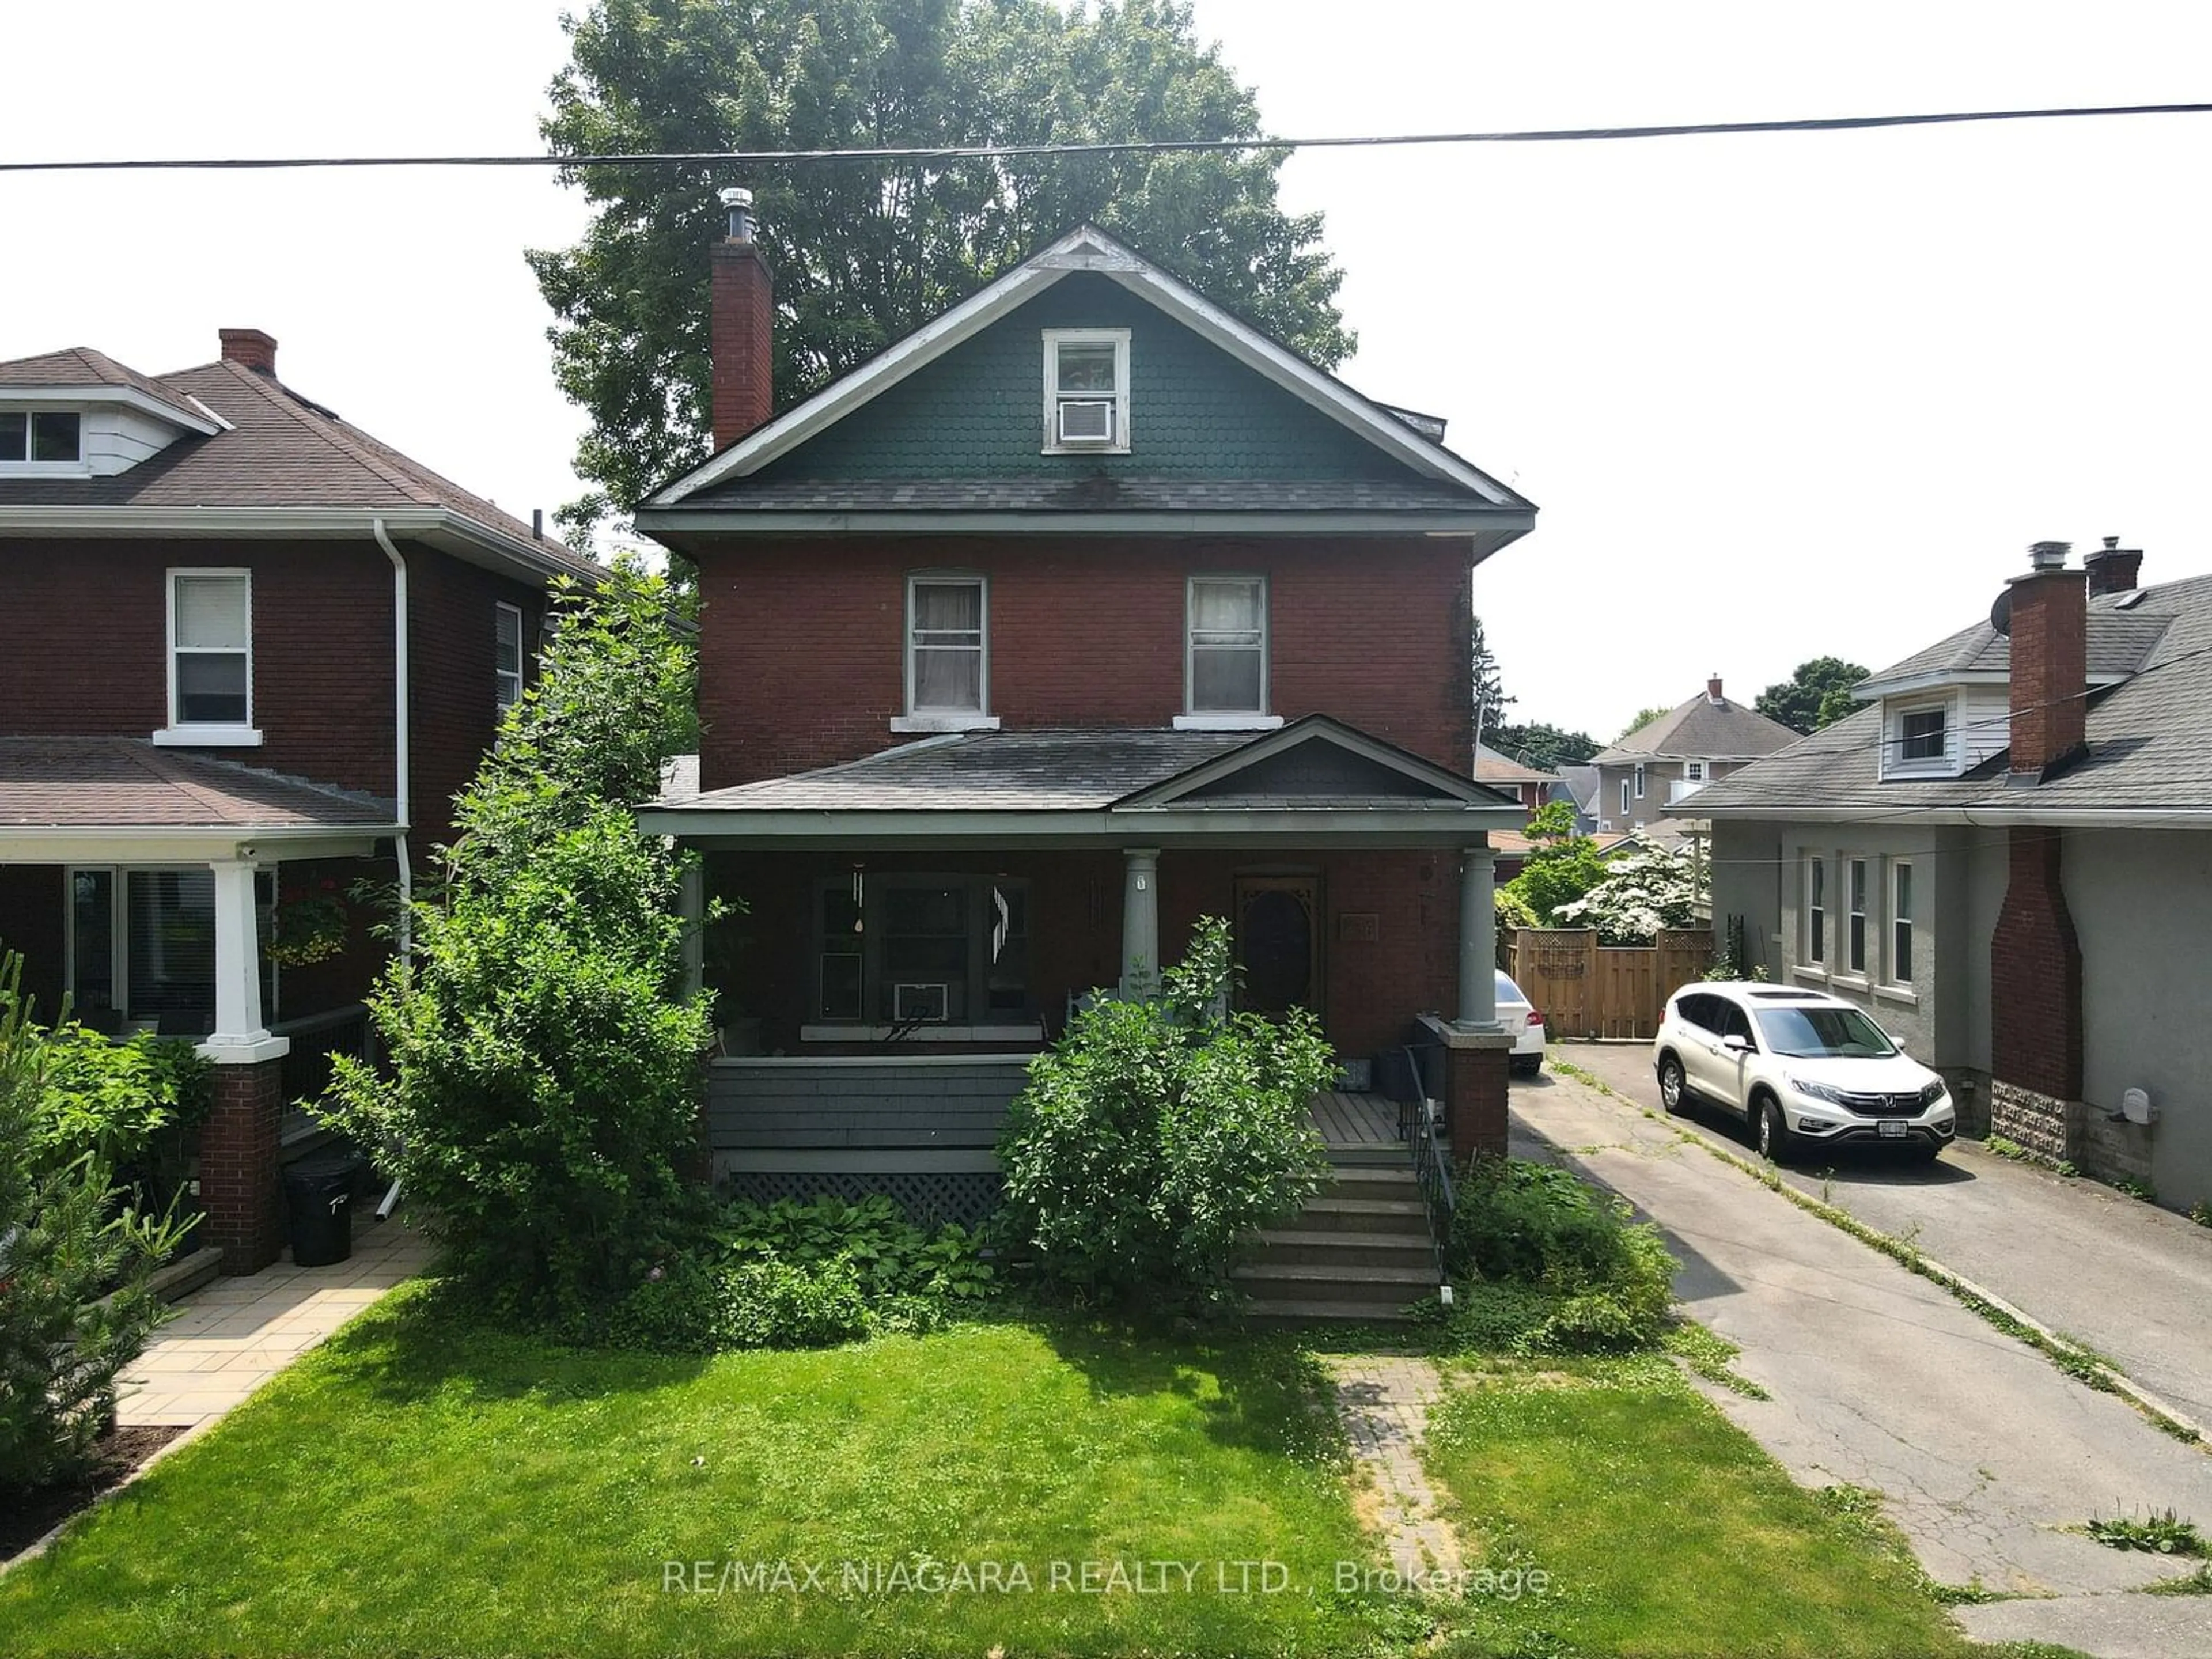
<point x="75" y="1265"/>
<point x="1564" y="1265"/>
<point x="1155" y="1137"/>
<point x="541" y="1094"/>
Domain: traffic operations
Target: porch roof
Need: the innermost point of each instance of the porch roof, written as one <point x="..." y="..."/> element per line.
<point x="1314" y="778"/>
<point x="64" y="789"/>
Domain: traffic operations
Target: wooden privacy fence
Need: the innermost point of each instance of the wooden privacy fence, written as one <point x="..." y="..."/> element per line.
<point x="1586" y="989"/>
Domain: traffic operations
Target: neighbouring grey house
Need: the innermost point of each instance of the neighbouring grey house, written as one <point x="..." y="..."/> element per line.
<point x="1649" y="774"/>
<point x="1577" y="786"/>
<point x="2007" y="857"/>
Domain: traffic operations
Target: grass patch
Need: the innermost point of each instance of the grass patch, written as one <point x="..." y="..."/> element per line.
<point x="2020" y="1154"/>
<point x="1663" y="1529"/>
<point x="2198" y="1583"/>
<point x="1712" y="1356"/>
<point x="420" y="1484"/>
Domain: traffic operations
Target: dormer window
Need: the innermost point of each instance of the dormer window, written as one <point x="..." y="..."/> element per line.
<point x="1920" y="733"/>
<point x="1917" y="738"/>
<point x="1086" y="391"/>
<point x="41" y="437"/>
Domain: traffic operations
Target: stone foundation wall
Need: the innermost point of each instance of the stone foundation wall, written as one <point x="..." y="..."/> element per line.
<point x="2046" y="1126"/>
<point x="2115" y="1149"/>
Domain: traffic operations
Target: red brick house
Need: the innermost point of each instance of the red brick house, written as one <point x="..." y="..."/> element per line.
<point x="250" y="653"/>
<point x="1085" y="612"/>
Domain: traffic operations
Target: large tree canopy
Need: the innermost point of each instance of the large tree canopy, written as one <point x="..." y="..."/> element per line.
<point x="1547" y="747"/>
<point x="1819" y="694"/>
<point x="863" y="252"/>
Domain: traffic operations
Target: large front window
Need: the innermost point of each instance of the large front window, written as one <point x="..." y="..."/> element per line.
<point x="211" y="648"/>
<point x="912" y="950"/>
<point x="1228" y="645"/>
<point x="141" y="949"/>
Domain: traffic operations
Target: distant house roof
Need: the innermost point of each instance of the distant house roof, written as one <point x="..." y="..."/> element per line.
<point x="2120" y="641"/>
<point x="253" y="448"/>
<point x="1516" y="843"/>
<point x="73" y="783"/>
<point x="1704" y="728"/>
<point x="1406" y="480"/>
<point x="1581" y="783"/>
<point x="2149" y="756"/>
<point x="1491" y="767"/>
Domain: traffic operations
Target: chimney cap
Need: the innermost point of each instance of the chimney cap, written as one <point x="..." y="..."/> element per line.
<point x="737" y="201"/>
<point x="2048" y="556"/>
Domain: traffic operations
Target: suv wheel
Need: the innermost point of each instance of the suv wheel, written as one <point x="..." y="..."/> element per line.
<point x="1775" y="1140"/>
<point x="1673" y="1091"/>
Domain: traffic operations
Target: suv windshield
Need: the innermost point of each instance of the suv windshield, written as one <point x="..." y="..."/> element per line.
<point x="1824" y="1034"/>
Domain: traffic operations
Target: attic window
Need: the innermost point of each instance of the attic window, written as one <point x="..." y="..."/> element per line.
<point x="1917" y="739"/>
<point x="41" y="437"/>
<point x="1086" y="391"/>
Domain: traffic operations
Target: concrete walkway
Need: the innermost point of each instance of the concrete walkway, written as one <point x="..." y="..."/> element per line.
<point x="1385" y="1400"/>
<point x="1987" y="1455"/>
<point x="235" y="1334"/>
<point x="2132" y="1281"/>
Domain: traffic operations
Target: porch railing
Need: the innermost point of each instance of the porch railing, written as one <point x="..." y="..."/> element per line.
<point x="305" y="1072"/>
<point x="1416" y="1127"/>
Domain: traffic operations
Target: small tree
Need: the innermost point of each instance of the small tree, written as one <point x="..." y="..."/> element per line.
<point x="74" y="1266"/>
<point x="1641" y="894"/>
<point x="542" y="1093"/>
<point x="1155" y="1137"/>
<point x="1561" y="865"/>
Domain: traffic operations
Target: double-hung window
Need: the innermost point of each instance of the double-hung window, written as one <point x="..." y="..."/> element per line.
<point x="41" y="437"/>
<point x="947" y="652"/>
<point x="210" y="658"/>
<point x="1086" y="391"/>
<point x="1225" y="655"/>
<point x="1816" y="910"/>
<point x="1900" y="922"/>
<point x="1854" y="953"/>
<point x="506" y="653"/>
<point x="1639" y="781"/>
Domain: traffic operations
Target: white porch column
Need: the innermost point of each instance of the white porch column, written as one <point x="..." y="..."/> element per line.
<point x="240" y="1035"/>
<point x="1478" y="938"/>
<point x="1140" y="922"/>
<point x="691" y="905"/>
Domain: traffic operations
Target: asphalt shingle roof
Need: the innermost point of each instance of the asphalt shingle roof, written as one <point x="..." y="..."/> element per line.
<point x="2149" y="738"/>
<point x="1491" y="767"/>
<point x="283" y="450"/>
<point x="128" y="783"/>
<point x="1701" y="729"/>
<point x="2119" y="642"/>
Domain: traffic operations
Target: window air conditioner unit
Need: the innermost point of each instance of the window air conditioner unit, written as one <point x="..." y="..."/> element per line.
<point x="1085" y="422"/>
<point x="911" y="1001"/>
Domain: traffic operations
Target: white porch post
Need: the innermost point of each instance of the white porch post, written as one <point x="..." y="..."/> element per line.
<point x="1140" y="922"/>
<point x="691" y="905"/>
<point x="1478" y="938"/>
<point x="241" y="1034"/>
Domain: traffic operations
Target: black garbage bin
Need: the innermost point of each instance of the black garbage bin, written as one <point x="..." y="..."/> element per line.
<point x="318" y="1209"/>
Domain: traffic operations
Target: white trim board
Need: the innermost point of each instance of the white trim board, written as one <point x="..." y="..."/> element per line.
<point x="1088" y="248"/>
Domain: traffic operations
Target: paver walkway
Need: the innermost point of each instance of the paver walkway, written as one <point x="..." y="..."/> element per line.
<point x="1385" y="1400"/>
<point x="235" y="1334"/>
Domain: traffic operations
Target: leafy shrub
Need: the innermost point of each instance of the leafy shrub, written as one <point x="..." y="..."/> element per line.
<point x="2155" y="1534"/>
<point x="693" y="1308"/>
<point x="64" y="1242"/>
<point x="1641" y="894"/>
<point x="133" y="1104"/>
<point x="541" y="1095"/>
<point x="893" y="1256"/>
<point x="1556" y="1265"/>
<point x="1155" y="1137"/>
<point x="1513" y="912"/>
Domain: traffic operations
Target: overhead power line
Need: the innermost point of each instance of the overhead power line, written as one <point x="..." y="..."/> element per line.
<point x="757" y="158"/>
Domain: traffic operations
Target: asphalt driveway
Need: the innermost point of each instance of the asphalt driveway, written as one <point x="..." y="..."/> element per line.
<point x="2130" y="1280"/>
<point x="1988" y="1456"/>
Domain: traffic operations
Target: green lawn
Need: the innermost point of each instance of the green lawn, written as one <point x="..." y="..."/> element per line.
<point x="1661" y="1529"/>
<point x="416" y="1486"/>
<point x="419" y="1486"/>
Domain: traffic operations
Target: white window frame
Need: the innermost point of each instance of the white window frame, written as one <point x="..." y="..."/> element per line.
<point x="1693" y="771"/>
<point x="1625" y="810"/>
<point x="1897" y="916"/>
<point x="75" y="467"/>
<point x="225" y="734"/>
<point x="1894" y="764"/>
<point x="1194" y="718"/>
<point x="1053" y="339"/>
<point x="1816" y="940"/>
<point x="1858" y="898"/>
<point x="500" y="677"/>
<point x="948" y="720"/>
<point x="1639" y="779"/>
<point x="118" y="926"/>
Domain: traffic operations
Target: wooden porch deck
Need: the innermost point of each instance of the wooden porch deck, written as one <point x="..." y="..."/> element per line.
<point x="1354" y="1122"/>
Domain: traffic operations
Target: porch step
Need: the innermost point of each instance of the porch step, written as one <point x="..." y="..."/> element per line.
<point x="1348" y="1158"/>
<point x="1290" y="1311"/>
<point x="1360" y="1180"/>
<point x="1404" y="1216"/>
<point x="1299" y="1247"/>
<point x="1368" y="1288"/>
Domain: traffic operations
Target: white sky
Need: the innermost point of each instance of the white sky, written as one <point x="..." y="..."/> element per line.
<point x="1777" y="396"/>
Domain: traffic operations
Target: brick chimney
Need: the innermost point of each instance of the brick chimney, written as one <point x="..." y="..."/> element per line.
<point x="249" y="347"/>
<point x="742" y="341"/>
<point x="2049" y="677"/>
<point x="2113" y="568"/>
<point x="1713" y="690"/>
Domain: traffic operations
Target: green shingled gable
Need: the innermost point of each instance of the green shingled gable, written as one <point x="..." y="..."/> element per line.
<point x="1194" y="412"/>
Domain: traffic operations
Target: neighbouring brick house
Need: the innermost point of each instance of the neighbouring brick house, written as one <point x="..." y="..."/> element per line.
<point x="2006" y="856"/>
<point x="247" y="655"/>
<point x="1082" y="613"/>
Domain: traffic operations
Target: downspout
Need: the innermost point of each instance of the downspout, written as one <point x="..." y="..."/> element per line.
<point x="399" y="731"/>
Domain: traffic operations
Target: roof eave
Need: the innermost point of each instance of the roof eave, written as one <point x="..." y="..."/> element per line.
<point x="1496" y="526"/>
<point x="1987" y="815"/>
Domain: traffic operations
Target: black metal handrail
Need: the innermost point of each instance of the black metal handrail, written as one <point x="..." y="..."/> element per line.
<point x="1417" y="1127"/>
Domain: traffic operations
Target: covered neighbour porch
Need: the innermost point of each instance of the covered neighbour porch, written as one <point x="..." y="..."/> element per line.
<point x="139" y="885"/>
<point x="917" y="924"/>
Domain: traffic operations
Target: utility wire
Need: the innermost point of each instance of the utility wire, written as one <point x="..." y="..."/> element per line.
<point x="755" y="158"/>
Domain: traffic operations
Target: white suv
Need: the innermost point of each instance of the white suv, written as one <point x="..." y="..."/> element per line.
<point x="1803" y="1068"/>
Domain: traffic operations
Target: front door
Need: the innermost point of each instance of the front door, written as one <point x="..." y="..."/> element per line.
<point x="1279" y="943"/>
